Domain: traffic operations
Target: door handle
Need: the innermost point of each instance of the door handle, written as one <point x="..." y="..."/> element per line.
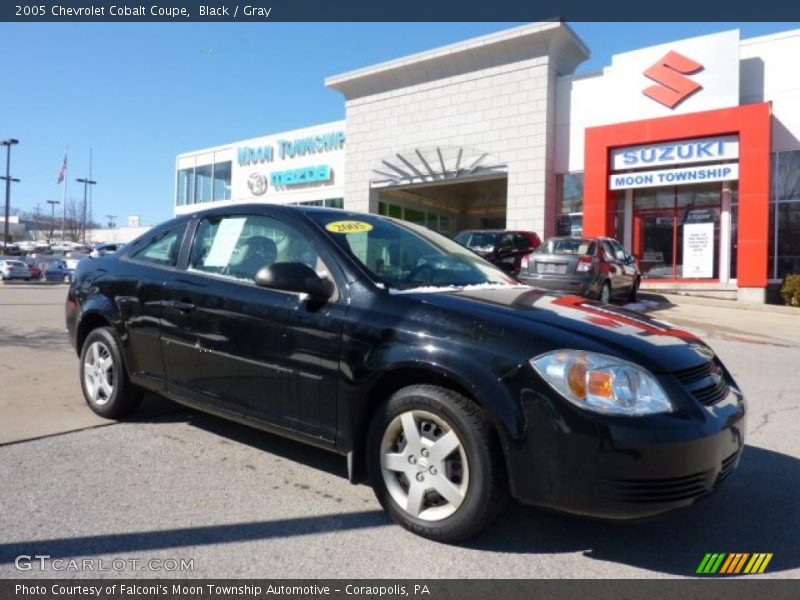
<point x="182" y="306"/>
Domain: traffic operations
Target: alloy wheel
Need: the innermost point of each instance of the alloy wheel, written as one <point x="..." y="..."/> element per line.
<point x="605" y="294"/>
<point x="98" y="373"/>
<point x="424" y="465"/>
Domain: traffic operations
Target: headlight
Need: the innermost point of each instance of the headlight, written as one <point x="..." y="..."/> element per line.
<point x="602" y="383"/>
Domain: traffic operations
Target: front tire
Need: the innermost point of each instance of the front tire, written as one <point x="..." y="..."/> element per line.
<point x="104" y="380"/>
<point x="633" y="293"/>
<point x="434" y="463"/>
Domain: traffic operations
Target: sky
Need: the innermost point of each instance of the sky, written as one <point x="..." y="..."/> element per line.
<point x="137" y="95"/>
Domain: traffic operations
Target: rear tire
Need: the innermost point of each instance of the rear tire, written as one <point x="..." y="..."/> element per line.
<point x="605" y="293"/>
<point x="435" y="464"/>
<point x="104" y="379"/>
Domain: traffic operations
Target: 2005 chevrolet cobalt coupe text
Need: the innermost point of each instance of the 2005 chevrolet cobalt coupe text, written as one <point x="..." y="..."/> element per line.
<point x="446" y="383"/>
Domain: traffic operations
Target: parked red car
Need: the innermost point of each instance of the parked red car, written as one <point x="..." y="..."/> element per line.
<point x="503" y="249"/>
<point x="34" y="269"/>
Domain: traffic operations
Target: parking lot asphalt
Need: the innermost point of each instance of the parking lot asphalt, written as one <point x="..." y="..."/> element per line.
<point x="39" y="388"/>
<point x="177" y="484"/>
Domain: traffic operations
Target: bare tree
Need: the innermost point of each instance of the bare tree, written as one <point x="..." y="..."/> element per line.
<point x="73" y="224"/>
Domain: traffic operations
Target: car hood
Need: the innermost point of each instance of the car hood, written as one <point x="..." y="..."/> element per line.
<point x="567" y="321"/>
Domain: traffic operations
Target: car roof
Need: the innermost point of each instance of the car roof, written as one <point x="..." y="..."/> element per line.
<point x="258" y="206"/>
<point x="494" y="231"/>
<point x="581" y="238"/>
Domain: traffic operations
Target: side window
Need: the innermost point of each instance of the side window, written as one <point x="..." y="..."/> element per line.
<point x="162" y="249"/>
<point x="521" y="242"/>
<point x="619" y="251"/>
<point x="238" y="246"/>
<point x="609" y="250"/>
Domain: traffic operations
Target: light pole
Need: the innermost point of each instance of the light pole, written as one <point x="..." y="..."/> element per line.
<point x="52" y="204"/>
<point x="86" y="183"/>
<point x="8" y="143"/>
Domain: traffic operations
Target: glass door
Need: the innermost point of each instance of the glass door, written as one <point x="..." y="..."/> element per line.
<point x="654" y="241"/>
<point x="676" y="231"/>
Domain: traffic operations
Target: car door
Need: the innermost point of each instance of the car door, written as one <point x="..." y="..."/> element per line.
<point x="616" y="275"/>
<point x="506" y="253"/>
<point x="148" y="265"/>
<point x="628" y="274"/>
<point x="522" y="247"/>
<point x="266" y="355"/>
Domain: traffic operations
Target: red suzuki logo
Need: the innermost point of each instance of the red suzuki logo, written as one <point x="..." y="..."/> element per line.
<point x="670" y="72"/>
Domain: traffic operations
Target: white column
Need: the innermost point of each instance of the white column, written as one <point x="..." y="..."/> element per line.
<point x="725" y="234"/>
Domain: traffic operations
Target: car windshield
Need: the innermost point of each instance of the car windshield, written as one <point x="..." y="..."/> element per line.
<point x="405" y="256"/>
<point x="566" y="246"/>
<point x="479" y="239"/>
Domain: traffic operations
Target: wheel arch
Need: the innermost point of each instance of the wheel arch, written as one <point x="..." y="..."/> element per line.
<point x="88" y="323"/>
<point x="506" y="424"/>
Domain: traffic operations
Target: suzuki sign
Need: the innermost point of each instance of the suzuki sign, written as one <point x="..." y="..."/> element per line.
<point x="676" y="153"/>
<point x="683" y="175"/>
<point x="670" y="74"/>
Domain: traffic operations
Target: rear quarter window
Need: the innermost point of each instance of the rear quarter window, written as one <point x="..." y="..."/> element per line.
<point x="161" y="248"/>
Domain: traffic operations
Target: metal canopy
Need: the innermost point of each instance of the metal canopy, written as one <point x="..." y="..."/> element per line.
<point x="434" y="164"/>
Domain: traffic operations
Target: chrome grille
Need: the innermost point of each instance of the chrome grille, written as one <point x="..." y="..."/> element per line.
<point x="728" y="466"/>
<point x="705" y="382"/>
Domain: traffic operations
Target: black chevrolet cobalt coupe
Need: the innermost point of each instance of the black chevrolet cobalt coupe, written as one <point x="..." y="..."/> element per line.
<point x="447" y="384"/>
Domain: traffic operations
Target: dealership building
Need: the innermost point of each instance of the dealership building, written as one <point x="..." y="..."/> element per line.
<point x="687" y="152"/>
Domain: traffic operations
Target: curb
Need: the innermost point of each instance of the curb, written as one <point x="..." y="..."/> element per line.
<point x="682" y="299"/>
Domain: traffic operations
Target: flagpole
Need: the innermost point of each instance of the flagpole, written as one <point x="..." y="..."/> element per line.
<point x="90" y="189"/>
<point x="64" y="204"/>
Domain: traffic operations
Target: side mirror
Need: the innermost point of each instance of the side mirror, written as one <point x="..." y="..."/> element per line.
<point x="630" y="259"/>
<point x="295" y="277"/>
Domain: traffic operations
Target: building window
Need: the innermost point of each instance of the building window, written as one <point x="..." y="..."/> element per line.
<point x="185" y="194"/>
<point x="327" y="203"/>
<point x="222" y="181"/>
<point x="569" y="209"/>
<point x="203" y="183"/>
<point x="787" y="218"/>
<point x="664" y="217"/>
<point x="784" y="249"/>
<point x="434" y="221"/>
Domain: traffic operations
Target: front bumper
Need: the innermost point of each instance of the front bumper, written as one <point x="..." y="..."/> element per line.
<point x="624" y="467"/>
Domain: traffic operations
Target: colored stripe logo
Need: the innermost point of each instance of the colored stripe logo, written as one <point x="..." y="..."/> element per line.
<point x="734" y="563"/>
<point x="670" y="73"/>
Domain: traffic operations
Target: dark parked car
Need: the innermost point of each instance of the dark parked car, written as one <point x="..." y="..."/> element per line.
<point x="504" y="249"/>
<point x="445" y="382"/>
<point x="53" y="269"/>
<point x="592" y="267"/>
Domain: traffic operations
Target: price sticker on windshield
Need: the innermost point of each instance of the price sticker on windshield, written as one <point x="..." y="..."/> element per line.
<point x="348" y="227"/>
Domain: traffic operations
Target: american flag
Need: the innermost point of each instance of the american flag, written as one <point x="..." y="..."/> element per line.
<point x="63" y="172"/>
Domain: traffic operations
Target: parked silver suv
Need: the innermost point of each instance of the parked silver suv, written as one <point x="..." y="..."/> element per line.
<point x="592" y="267"/>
